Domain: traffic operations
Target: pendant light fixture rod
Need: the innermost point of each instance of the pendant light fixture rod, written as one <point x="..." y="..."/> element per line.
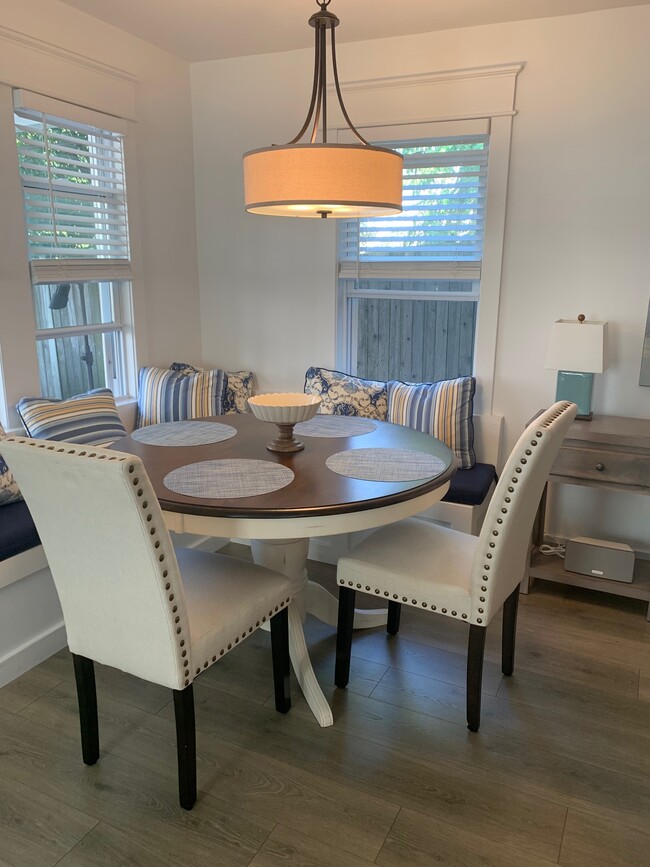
<point x="322" y="22"/>
<point x="323" y="86"/>
<point x="352" y="127"/>
<point x="314" y="93"/>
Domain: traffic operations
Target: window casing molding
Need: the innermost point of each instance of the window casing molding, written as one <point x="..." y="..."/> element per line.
<point x="20" y="374"/>
<point x="75" y="204"/>
<point x="483" y="93"/>
<point x="68" y="76"/>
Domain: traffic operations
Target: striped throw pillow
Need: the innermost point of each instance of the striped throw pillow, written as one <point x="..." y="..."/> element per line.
<point x="177" y="395"/>
<point x="443" y="409"/>
<point x="89" y="418"/>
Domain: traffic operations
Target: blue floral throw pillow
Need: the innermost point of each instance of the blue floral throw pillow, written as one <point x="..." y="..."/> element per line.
<point x="239" y="387"/>
<point x="342" y="394"/>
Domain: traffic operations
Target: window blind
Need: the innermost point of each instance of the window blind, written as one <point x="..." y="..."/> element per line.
<point x="78" y="270"/>
<point x="439" y="233"/>
<point x="74" y="188"/>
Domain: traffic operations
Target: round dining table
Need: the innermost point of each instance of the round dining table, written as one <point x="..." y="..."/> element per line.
<point x="216" y="478"/>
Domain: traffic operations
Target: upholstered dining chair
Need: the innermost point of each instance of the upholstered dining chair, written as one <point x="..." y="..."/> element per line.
<point x="130" y="600"/>
<point x="454" y="574"/>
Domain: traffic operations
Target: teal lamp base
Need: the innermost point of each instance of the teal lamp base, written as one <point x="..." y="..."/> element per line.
<point x="576" y="387"/>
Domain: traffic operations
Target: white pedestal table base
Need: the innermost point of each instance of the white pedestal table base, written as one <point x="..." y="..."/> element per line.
<point x="289" y="557"/>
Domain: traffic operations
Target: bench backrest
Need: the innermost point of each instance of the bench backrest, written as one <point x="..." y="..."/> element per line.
<point x="127" y="413"/>
<point x="488" y="432"/>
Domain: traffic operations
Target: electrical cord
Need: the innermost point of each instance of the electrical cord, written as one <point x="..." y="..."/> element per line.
<point x="553" y="547"/>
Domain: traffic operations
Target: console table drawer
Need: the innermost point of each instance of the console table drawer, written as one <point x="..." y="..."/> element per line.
<point x="601" y="465"/>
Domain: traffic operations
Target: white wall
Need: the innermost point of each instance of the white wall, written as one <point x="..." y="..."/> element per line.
<point x="577" y="218"/>
<point x="56" y="50"/>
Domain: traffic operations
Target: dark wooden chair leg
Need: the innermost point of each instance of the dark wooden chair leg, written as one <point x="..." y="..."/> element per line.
<point x="84" y="675"/>
<point x="394" y="611"/>
<point x="281" y="661"/>
<point x="509" y="633"/>
<point x="344" y="636"/>
<point x="185" y="746"/>
<point x="475" y="651"/>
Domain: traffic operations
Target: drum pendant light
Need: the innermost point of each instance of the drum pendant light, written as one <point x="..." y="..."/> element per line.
<point x="316" y="178"/>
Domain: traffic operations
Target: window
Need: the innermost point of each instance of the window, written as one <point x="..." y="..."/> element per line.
<point x="76" y="220"/>
<point x="410" y="283"/>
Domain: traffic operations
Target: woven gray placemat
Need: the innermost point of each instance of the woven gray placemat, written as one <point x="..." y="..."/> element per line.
<point x="385" y="465"/>
<point x="228" y="479"/>
<point x="183" y="433"/>
<point x="335" y="426"/>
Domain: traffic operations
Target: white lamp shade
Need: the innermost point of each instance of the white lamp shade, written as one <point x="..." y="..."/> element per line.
<point x="578" y="346"/>
<point x="307" y="180"/>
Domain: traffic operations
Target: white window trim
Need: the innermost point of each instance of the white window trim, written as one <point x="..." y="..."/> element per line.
<point x="19" y="374"/>
<point x="468" y="95"/>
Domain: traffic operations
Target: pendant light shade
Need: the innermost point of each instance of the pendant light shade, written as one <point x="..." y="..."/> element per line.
<point x="320" y="179"/>
<point x="310" y="180"/>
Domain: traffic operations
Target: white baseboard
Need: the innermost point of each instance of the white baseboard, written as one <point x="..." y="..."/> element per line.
<point x="36" y="650"/>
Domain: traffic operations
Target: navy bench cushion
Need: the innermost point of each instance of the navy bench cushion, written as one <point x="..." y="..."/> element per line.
<point x="17" y="530"/>
<point x="470" y="487"/>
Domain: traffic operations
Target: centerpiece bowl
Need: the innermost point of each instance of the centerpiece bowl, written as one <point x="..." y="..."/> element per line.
<point x="285" y="411"/>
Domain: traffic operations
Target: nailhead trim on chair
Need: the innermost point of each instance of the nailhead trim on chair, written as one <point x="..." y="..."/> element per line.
<point x="500" y="522"/>
<point x="184" y="664"/>
<point x="149" y="517"/>
<point x="237" y="638"/>
<point x="414" y="602"/>
<point x="164" y="573"/>
<point x="508" y="499"/>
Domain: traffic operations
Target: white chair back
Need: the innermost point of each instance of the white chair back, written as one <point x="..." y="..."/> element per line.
<point x="110" y="554"/>
<point x="503" y="544"/>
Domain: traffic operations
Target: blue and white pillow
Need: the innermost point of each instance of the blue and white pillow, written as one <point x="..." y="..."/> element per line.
<point x="342" y="394"/>
<point x="90" y="419"/>
<point x="9" y="490"/>
<point x="239" y="387"/>
<point x="443" y="409"/>
<point x="178" y="393"/>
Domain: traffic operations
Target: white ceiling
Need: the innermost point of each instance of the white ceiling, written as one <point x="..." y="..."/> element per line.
<point x="211" y="29"/>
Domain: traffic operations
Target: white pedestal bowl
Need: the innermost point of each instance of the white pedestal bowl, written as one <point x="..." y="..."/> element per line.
<point x="285" y="411"/>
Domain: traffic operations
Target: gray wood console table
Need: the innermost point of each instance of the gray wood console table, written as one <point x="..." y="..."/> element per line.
<point x="611" y="453"/>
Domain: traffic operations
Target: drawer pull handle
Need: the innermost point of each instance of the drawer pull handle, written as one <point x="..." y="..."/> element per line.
<point x="600" y="467"/>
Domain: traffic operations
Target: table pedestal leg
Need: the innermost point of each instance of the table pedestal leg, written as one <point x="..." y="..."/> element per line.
<point x="322" y="604"/>
<point x="289" y="557"/>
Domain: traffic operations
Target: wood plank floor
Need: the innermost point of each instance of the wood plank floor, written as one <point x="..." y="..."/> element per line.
<point x="558" y="773"/>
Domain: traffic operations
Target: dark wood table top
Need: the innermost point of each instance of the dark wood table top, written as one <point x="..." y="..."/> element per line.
<point x="315" y="490"/>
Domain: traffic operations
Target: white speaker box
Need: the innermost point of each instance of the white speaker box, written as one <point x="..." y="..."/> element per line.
<point x="599" y="559"/>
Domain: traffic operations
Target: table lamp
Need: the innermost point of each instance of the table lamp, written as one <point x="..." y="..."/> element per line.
<point x="577" y="349"/>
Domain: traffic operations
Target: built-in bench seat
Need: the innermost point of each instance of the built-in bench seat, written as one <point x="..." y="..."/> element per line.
<point x="470" y="487"/>
<point x="31" y="623"/>
<point x="464" y="506"/>
<point x="17" y="531"/>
